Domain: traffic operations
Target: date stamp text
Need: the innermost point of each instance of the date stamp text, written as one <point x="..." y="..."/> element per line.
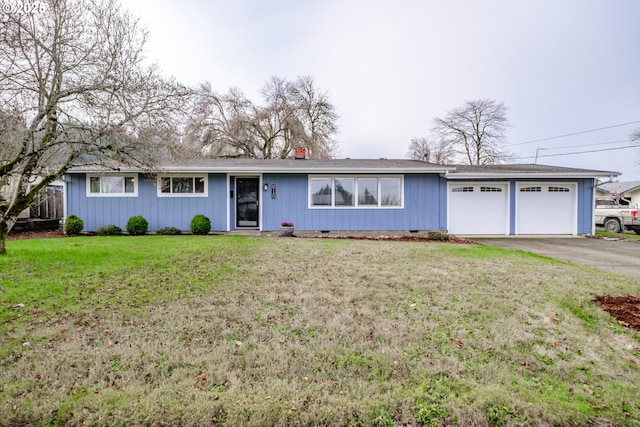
<point x="22" y="7"/>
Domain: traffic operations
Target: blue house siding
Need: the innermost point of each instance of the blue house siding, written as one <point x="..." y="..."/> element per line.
<point x="424" y="207"/>
<point x="586" y="203"/>
<point x="425" y="201"/>
<point x="158" y="211"/>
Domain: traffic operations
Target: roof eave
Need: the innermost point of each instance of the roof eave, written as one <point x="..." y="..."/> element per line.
<point x="534" y="175"/>
<point x="324" y="170"/>
<point x="288" y="170"/>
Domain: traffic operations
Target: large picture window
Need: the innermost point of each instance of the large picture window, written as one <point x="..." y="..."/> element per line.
<point x="182" y="186"/>
<point x="355" y="192"/>
<point x="112" y="185"/>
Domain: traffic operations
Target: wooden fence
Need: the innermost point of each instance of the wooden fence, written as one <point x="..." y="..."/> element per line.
<point x="48" y="204"/>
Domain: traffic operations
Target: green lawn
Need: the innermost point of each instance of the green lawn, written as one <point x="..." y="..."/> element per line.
<point x="229" y="330"/>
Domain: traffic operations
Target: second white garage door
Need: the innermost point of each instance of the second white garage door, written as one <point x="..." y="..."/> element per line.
<point x="478" y="208"/>
<point x="546" y="208"/>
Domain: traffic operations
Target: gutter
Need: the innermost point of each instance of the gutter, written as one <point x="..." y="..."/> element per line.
<point x="254" y="170"/>
<point x="535" y="175"/>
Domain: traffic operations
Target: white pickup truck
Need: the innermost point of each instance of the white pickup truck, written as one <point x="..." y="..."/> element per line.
<point x="615" y="217"/>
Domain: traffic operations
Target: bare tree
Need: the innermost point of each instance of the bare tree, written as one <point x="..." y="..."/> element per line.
<point x="476" y="131"/>
<point x="317" y="116"/>
<point x="439" y="152"/>
<point x="74" y="92"/>
<point x="294" y="114"/>
<point x="635" y="136"/>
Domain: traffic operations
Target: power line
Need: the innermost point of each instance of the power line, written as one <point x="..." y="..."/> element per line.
<point x="574" y="133"/>
<point x="585" y="145"/>
<point x="577" y="152"/>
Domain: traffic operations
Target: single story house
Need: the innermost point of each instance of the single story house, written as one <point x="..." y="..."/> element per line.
<point x="340" y="195"/>
<point x="628" y="191"/>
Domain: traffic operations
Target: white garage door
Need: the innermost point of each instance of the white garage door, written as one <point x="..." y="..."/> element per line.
<point x="478" y="208"/>
<point x="546" y="208"/>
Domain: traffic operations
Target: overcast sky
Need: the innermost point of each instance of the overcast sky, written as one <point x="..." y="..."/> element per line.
<point x="560" y="66"/>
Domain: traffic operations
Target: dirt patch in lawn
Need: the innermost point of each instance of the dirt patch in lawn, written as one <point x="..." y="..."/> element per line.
<point x="49" y="234"/>
<point x="400" y="238"/>
<point x="626" y="309"/>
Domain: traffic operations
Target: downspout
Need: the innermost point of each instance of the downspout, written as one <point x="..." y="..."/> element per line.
<point x="593" y="207"/>
<point x="65" y="195"/>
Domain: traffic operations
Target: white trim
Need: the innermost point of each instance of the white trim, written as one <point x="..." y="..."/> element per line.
<point x="249" y="170"/>
<point x="134" y="175"/>
<point x="454" y="176"/>
<point x="65" y="198"/>
<point x="285" y="167"/>
<point x="355" y="178"/>
<point x="235" y="203"/>
<point x="160" y="194"/>
<point x="228" y="197"/>
<point x="260" y="202"/>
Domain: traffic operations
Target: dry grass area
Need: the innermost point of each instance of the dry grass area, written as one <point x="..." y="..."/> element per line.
<point x="272" y="331"/>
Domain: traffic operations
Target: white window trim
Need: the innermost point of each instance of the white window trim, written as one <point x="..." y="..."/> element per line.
<point x="135" y="177"/>
<point x="333" y="178"/>
<point x="202" y="175"/>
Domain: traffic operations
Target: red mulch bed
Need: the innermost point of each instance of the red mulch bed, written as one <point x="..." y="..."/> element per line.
<point x="626" y="309"/>
<point x="392" y="238"/>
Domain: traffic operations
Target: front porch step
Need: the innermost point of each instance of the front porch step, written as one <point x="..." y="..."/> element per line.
<point x="245" y="232"/>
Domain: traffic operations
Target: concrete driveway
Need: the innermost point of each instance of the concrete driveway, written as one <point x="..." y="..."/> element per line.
<point x="619" y="256"/>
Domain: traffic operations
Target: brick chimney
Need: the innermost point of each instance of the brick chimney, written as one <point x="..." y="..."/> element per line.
<point x="300" y="153"/>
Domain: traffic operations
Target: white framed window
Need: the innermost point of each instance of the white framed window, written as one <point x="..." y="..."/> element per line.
<point x="183" y="186"/>
<point x="345" y="189"/>
<point x="356" y="191"/>
<point x="467" y="189"/>
<point x="112" y="185"/>
<point x="534" y="189"/>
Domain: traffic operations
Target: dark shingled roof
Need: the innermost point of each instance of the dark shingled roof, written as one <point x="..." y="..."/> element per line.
<point x="526" y="170"/>
<point x="242" y="165"/>
<point x="345" y="166"/>
<point x="619" y="187"/>
<point x="284" y="164"/>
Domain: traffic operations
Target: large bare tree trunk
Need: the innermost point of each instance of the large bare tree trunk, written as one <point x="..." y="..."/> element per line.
<point x="75" y="92"/>
<point x="4" y="231"/>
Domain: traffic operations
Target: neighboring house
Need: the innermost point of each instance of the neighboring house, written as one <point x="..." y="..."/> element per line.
<point x="341" y="195"/>
<point x="626" y="191"/>
<point x="48" y="204"/>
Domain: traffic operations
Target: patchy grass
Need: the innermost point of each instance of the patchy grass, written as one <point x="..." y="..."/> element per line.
<point x="628" y="235"/>
<point x="230" y="330"/>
